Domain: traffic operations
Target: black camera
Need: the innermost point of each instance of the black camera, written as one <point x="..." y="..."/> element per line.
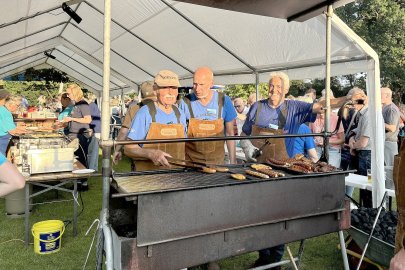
<point x="358" y="101"/>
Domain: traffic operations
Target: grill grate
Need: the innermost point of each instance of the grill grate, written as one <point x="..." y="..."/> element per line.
<point x="181" y="180"/>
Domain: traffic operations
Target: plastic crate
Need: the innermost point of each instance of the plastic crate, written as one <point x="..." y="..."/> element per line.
<point x="378" y="251"/>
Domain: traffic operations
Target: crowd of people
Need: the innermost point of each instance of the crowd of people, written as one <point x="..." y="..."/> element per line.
<point x="208" y="113"/>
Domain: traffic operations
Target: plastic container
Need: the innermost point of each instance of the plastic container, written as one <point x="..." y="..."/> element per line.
<point x="48" y="236"/>
<point x="15" y="203"/>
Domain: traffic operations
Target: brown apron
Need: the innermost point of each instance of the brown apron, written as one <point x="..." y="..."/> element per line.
<point x="207" y="152"/>
<point x="399" y="181"/>
<point x="276" y="147"/>
<point x="162" y="131"/>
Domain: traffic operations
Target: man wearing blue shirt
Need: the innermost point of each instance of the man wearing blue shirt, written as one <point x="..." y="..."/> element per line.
<point x="277" y="116"/>
<point x="158" y="120"/>
<point x="209" y="114"/>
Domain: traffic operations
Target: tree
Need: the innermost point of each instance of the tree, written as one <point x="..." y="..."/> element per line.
<point x="381" y="23"/>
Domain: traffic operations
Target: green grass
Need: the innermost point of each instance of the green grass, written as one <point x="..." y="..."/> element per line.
<point x="319" y="253"/>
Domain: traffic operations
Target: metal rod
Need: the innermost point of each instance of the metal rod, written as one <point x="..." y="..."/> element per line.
<point x="86" y="67"/>
<point x="105" y="106"/>
<point x="120" y="55"/>
<point x="372" y="230"/>
<point x="68" y="67"/>
<point x="31" y="34"/>
<point x="29" y="17"/>
<point x="210" y="139"/>
<point x="291" y="258"/>
<point x="69" y="45"/>
<point x="343" y="250"/>
<point x="257" y="85"/>
<point x="329" y="15"/>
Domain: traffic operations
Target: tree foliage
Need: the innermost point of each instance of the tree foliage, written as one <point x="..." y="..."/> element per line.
<point x="32" y="90"/>
<point x="381" y="23"/>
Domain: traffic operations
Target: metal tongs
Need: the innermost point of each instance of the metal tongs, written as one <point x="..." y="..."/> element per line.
<point x="258" y="152"/>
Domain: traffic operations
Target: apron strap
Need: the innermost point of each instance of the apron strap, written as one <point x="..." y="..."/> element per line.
<point x="259" y="108"/>
<point x="221" y="101"/>
<point x="152" y="110"/>
<point x="177" y="113"/>
<point x="188" y="103"/>
<point x="282" y="117"/>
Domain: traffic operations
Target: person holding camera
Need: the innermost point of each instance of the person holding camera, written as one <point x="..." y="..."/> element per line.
<point x="360" y="142"/>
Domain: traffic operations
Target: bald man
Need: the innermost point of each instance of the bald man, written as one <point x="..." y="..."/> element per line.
<point x="209" y="114"/>
<point x="391" y="117"/>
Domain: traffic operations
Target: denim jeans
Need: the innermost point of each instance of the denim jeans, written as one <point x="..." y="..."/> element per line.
<point x="93" y="154"/>
<point x="273" y="254"/>
<point x="334" y="155"/>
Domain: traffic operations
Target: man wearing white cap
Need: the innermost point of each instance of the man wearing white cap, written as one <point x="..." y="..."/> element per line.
<point x="158" y="120"/>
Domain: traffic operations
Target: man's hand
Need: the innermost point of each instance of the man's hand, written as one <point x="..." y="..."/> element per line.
<point x="398" y="261"/>
<point x="117" y="157"/>
<point x="249" y="149"/>
<point x="158" y="157"/>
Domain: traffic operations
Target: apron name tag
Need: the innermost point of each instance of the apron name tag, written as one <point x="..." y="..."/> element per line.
<point x="168" y="132"/>
<point x="206" y="126"/>
<point x="273" y="126"/>
<point x="212" y="111"/>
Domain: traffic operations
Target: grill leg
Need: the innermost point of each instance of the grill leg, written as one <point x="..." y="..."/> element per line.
<point x="343" y="249"/>
<point x="300" y="252"/>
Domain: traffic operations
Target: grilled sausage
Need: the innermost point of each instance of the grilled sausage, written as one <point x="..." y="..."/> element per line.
<point x="238" y="176"/>
<point x="257" y="174"/>
<point x="298" y="169"/>
<point x="270" y="173"/>
<point x="304" y="165"/>
<point x="276" y="162"/>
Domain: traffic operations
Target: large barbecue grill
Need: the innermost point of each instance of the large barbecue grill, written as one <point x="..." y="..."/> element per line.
<point x="183" y="218"/>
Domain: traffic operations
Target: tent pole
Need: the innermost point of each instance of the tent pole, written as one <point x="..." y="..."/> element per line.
<point x="106" y="144"/>
<point x="122" y="102"/>
<point x="257" y="86"/>
<point x="329" y="15"/>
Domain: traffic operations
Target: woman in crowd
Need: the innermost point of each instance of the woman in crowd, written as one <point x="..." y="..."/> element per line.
<point x="79" y="124"/>
<point x="8" y="127"/>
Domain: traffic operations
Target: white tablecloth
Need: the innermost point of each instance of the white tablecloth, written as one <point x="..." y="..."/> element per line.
<point x="361" y="181"/>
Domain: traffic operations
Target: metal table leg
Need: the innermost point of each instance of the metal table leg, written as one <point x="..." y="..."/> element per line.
<point x="75" y="201"/>
<point x="343" y="249"/>
<point x="27" y="214"/>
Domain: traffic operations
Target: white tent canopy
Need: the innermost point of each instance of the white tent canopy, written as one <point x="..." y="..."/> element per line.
<point x="150" y="35"/>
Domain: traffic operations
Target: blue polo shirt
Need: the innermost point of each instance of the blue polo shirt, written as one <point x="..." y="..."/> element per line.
<point x="210" y="111"/>
<point x="298" y="113"/>
<point x="303" y="144"/>
<point x="6" y="120"/>
<point x="142" y="121"/>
